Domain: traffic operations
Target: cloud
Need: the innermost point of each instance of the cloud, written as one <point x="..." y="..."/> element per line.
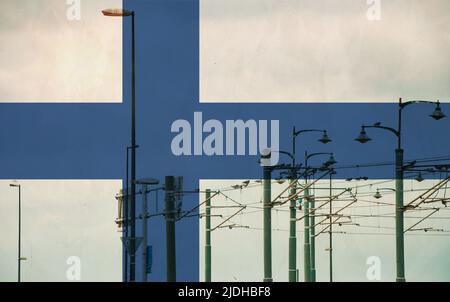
<point x="304" y="50"/>
<point x="48" y="58"/>
<point x="61" y="218"/>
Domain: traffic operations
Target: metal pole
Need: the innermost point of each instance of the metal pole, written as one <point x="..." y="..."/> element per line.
<point x="292" y="236"/>
<point x="144" y="233"/>
<point x="307" y="246"/>
<point x="20" y="238"/>
<point x="309" y="231"/>
<point x="293" y="221"/>
<point x="399" y="234"/>
<point x="170" y="229"/>
<point x="267" y="196"/>
<point x="125" y="222"/>
<point x="331" y="227"/>
<point x="313" y="241"/>
<point x="208" y="237"/>
<point x="133" y="158"/>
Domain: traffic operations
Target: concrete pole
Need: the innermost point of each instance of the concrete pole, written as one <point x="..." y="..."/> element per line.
<point x="293" y="235"/>
<point x="313" y="240"/>
<point x="399" y="233"/>
<point x="19" y="257"/>
<point x="170" y="229"/>
<point x="144" y="233"/>
<point x="307" y="246"/>
<point x="267" y="196"/>
<point x="293" y="272"/>
<point x="331" y="227"/>
<point x="208" y="237"/>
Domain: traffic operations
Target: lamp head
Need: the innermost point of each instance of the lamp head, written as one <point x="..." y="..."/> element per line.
<point x="325" y="139"/>
<point x="419" y="177"/>
<point x="331" y="161"/>
<point x="437" y="113"/>
<point x="14" y="185"/>
<point x="117" y="12"/>
<point x="363" y="138"/>
<point x="377" y="195"/>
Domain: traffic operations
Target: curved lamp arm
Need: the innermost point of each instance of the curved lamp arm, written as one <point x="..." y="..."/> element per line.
<point x="392" y="130"/>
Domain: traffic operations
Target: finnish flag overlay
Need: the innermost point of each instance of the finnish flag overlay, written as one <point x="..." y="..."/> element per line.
<point x="224" y="140"/>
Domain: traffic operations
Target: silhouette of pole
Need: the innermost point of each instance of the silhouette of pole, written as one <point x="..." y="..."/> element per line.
<point x="208" y="237"/>
<point x="267" y="226"/>
<point x="331" y="227"/>
<point x="170" y="229"/>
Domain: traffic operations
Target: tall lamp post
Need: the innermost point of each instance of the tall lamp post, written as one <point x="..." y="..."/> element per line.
<point x="126" y="13"/>
<point x="267" y="216"/>
<point x="292" y="225"/>
<point x="265" y="162"/>
<point x="19" y="257"/>
<point x="437" y="114"/>
<point x="331" y="161"/>
<point x="330" y="237"/>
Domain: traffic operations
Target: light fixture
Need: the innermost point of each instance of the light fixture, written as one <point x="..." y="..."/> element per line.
<point x="325" y="139"/>
<point x="437" y="113"/>
<point x="280" y="181"/>
<point x="377" y="195"/>
<point x="117" y="12"/>
<point x="419" y="177"/>
<point x="363" y="138"/>
<point x="331" y="161"/>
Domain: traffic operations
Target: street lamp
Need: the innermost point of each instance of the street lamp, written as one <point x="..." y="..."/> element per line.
<point x="419" y="177"/>
<point x="117" y="12"/>
<point x="324" y="139"/>
<point x="378" y="194"/>
<point x="330" y="162"/>
<point x="362" y="137"/>
<point x="437" y="114"/>
<point x="267" y="216"/>
<point x="19" y="257"/>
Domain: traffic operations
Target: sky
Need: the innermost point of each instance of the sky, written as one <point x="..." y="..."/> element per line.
<point x="237" y="253"/>
<point x="323" y="51"/>
<point x="61" y="219"/>
<point x="46" y="56"/>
